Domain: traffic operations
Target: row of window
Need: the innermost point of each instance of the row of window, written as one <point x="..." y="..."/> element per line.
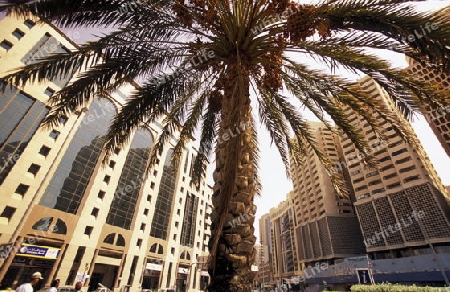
<point x="18" y="34"/>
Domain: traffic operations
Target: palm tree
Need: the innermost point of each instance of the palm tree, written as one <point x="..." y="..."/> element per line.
<point x="198" y="63"/>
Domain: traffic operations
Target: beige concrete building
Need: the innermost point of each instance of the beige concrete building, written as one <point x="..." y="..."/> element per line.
<point x="404" y="185"/>
<point x="439" y="120"/>
<point x="265" y="270"/>
<point x="64" y="214"/>
<point x="284" y="262"/>
<point x="320" y="211"/>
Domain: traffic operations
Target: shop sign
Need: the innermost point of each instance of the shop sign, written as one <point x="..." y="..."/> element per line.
<point x="183" y="270"/>
<point x="40" y="252"/>
<point x="153" y="267"/>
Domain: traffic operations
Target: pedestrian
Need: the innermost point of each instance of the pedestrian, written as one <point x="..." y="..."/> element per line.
<point x="53" y="286"/>
<point x="28" y="287"/>
<point x="78" y="286"/>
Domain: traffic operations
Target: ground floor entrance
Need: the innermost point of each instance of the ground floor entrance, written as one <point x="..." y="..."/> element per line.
<point x="103" y="274"/>
<point x="21" y="270"/>
<point x="150" y="280"/>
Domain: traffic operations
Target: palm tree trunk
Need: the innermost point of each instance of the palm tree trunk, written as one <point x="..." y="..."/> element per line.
<point x="232" y="242"/>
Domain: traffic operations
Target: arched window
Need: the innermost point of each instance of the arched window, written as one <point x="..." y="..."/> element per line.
<point x="109" y="238"/>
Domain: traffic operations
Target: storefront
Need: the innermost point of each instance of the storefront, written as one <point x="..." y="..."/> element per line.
<point x="182" y="279"/>
<point x="151" y="276"/>
<point x="29" y="259"/>
<point x="204" y="280"/>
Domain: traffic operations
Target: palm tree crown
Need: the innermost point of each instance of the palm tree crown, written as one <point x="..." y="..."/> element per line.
<point x="198" y="62"/>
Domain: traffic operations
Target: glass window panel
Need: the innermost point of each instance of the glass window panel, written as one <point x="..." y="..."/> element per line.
<point x="71" y="178"/>
<point x="20" y="116"/>
<point x="160" y="222"/>
<point x="123" y="205"/>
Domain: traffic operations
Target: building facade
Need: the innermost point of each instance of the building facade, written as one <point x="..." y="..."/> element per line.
<point x="395" y="218"/>
<point x="267" y="253"/>
<point x="320" y="210"/>
<point x="284" y="262"/>
<point x="67" y="215"/>
<point x="438" y="119"/>
<point x="402" y="207"/>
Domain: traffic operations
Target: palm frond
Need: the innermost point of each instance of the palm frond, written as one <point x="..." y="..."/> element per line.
<point x="399" y="22"/>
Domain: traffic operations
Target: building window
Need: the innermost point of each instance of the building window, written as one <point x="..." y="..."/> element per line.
<point x="54" y="134"/>
<point x="145" y="212"/>
<point x="79" y="255"/>
<point x="139" y="242"/>
<point x="18" y="33"/>
<point x="44" y="151"/>
<point x="149" y="198"/>
<point x="403" y="150"/>
<point x="88" y="230"/>
<point x="189" y="219"/>
<point x="20" y="117"/>
<point x="123" y="208"/>
<point x="107" y="179"/>
<point x="7" y="45"/>
<point x="49" y="92"/>
<point x="71" y="178"/>
<point x="143" y="226"/>
<point x="34" y="168"/>
<point x="29" y="23"/>
<point x="112" y="163"/>
<point x="411" y="178"/>
<point x="152" y="185"/>
<point x="8" y="212"/>
<point x="101" y="194"/>
<point x="63" y="120"/>
<point x="95" y="212"/>
<point x="22" y="189"/>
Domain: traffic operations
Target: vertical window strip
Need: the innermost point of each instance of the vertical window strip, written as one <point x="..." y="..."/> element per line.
<point x="20" y="116"/>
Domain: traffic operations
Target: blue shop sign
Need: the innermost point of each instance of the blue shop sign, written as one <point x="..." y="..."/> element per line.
<point x="40" y="252"/>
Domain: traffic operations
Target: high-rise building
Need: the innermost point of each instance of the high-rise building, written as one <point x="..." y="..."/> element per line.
<point x="438" y="119"/>
<point x="68" y="216"/>
<point x="402" y="206"/>
<point x="282" y="221"/>
<point x="320" y="211"/>
<point x="267" y="253"/>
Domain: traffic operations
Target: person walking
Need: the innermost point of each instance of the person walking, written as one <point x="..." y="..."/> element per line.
<point x="53" y="286"/>
<point x="28" y="287"/>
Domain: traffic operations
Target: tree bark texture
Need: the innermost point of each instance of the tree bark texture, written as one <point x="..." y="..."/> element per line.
<point x="232" y="241"/>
